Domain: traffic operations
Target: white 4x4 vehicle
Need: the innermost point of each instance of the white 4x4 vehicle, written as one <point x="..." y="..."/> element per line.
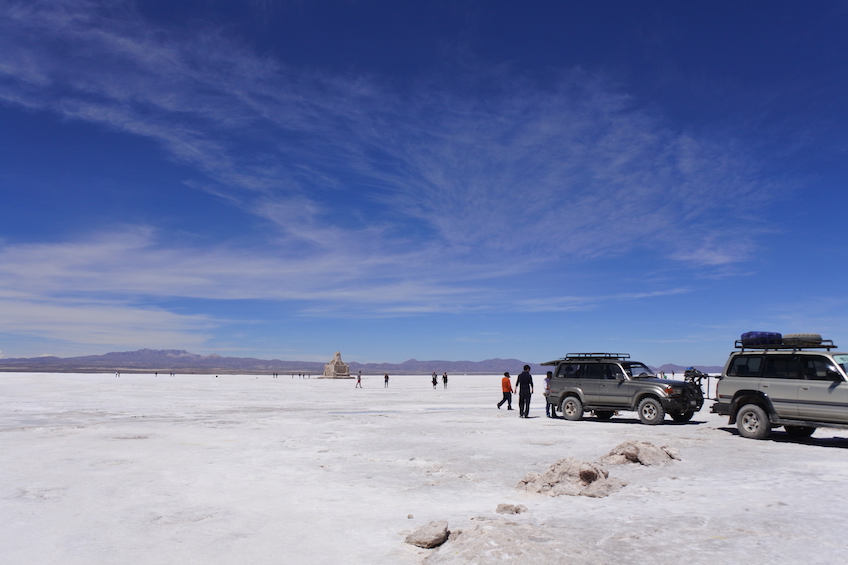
<point x="800" y="384"/>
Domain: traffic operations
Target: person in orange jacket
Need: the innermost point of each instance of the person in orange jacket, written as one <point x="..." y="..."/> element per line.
<point x="506" y="387"/>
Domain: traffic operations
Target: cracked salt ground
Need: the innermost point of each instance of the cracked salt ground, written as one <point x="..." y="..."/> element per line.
<point x="231" y="472"/>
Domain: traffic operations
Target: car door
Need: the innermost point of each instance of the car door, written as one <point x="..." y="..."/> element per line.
<point x="591" y="375"/>
<point x="781" y="381"/>
<point x="823" y="396"/>
<point x="567" y="378"/>
<point x="613" y="389"/>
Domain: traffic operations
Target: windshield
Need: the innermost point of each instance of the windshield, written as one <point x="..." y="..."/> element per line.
<point x="843" y="361"/>
<point x="636" y="370"/>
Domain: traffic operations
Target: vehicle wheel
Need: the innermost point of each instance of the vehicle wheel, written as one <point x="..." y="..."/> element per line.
<point x="651" y="411"/>
<point x="752" y="421"/>
<point x="604" y="415"/>
<point x="799" y="431"/>
<point x="572" y="408"/>
<point x="682" y="417"/>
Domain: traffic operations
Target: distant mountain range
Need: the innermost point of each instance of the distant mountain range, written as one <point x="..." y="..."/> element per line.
<point x="181" y="361"/>
<point x="670" y="368"/>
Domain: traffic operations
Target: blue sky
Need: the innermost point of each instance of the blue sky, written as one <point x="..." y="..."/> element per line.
<point x="452" y="180"/>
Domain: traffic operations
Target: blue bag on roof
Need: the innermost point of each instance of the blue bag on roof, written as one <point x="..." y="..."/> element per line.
<point x="762" y="338"/>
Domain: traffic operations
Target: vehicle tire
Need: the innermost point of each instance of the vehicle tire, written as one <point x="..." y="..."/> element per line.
<point x="752" y="421"/>
<point x="682" y="417"/>
<point x="572" y="408"/>
<point x="651" y="411"/>
<point x="604" y="415"/>
<point x="799" y="431"/>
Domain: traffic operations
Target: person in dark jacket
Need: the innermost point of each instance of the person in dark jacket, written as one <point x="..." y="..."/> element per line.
<point x="524" y="386"/>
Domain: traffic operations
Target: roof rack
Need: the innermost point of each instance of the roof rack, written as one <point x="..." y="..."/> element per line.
<point x="825" y="344"/>
<point x="597" y="356"/>
<point x="576" y="356"/>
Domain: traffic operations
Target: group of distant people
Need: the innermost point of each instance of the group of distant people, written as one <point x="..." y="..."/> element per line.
<point x="386" y="380"/>
<point x="524" y="387"/>
<point x="436" y="380"/>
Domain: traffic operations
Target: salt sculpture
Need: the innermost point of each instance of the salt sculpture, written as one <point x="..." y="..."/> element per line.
<point x="337" y="369"/>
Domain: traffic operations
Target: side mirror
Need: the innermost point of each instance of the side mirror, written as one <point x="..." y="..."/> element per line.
<point x="833" y="376"/>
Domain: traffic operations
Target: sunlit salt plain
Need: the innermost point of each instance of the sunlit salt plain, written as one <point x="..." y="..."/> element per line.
<point x="243" y="469"/>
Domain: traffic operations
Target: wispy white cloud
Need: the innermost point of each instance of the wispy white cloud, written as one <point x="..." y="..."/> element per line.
<point x="135" y="263"/>
<point x="103" y="323"/>
<point x="573" y="169"/>
<point x="391" y="200"/>
<point x="572" y="303"/>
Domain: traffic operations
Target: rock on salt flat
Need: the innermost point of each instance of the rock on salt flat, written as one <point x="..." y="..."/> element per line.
<point x="432" y="534"/>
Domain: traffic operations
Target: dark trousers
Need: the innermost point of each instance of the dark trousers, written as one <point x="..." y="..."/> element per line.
<point x="550" y="410"/>
<point x="508" y="399"/>
<point x="524" y="403"/>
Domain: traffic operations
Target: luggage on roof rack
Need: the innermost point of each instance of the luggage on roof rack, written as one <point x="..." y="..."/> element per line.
<point x="761" y="338"/>
<point x="823" y="344"/>
<point x="802" y="340"/>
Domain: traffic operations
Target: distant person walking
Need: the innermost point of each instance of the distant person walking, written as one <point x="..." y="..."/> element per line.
<point x="445" y="379"/>
<point x="386" y="381"/>
<point x="550" y="409"/>
<point x="358" y="380"/>
<point x="524" y="386"/>
<point x="506" y="388"/>
<point x="435" y="379"/>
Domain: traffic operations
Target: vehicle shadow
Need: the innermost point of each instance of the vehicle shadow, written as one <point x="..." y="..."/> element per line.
<point x="620" y="420"/>
<point x="779" y="436"/>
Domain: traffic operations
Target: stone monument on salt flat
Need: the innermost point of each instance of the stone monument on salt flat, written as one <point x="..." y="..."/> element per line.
<point x="337" y="369"/>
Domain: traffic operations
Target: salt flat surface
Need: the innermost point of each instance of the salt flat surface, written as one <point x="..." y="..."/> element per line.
<point x="239" y="469"/>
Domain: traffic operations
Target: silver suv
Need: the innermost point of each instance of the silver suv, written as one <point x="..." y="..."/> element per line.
<point x="800" y="387"/>
<point x="605" y="383"/>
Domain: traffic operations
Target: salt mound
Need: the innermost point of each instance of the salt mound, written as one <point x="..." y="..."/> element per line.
<point x="574" y="478"/>
<point x="503" y="541"/>
<point x="511" y="508"/>
<point x="642" y="452"/>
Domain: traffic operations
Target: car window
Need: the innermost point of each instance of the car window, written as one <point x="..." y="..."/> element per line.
<point x="567" y="371"/>
<point x="637" y="370"/>
<point x="842" y="360"/>
<point x="815" y="367"/>
<point x="782" y="367"/>
<point x="745" y="366"/>
<point x="612" y="371"/>
<point x="593" y="371"/>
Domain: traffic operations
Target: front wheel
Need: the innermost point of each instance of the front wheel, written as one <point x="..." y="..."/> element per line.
<point x="572" y="408"/>
<point x="752" y="421"/>
<point x="799" y="431"/>
<point x="682" y="417"/>
<point x="651" y="411"/>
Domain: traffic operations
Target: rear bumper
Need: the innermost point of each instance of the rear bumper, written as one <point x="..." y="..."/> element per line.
<point x="722" y="408"/>
<point x="682" y="404"/>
